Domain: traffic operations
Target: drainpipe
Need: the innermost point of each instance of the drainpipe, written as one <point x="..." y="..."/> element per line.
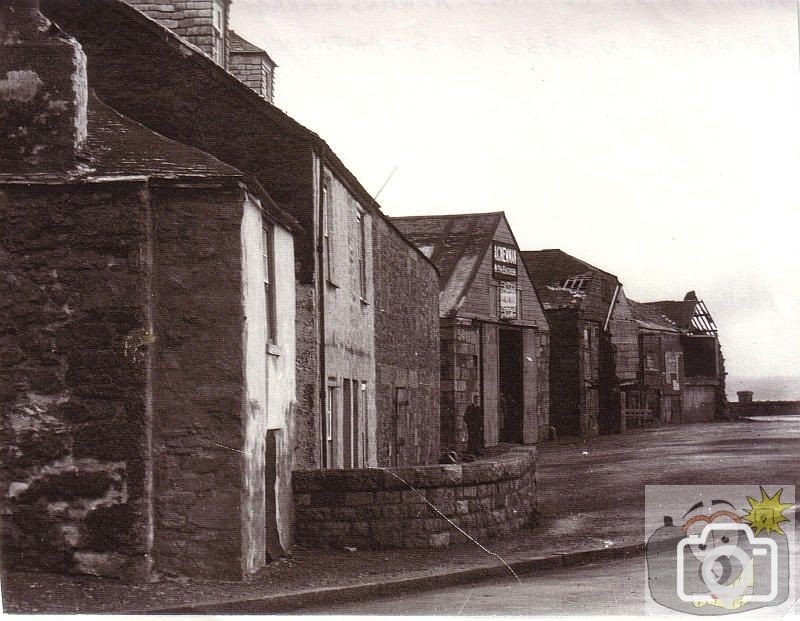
<point x="611" y="308"/>
<point x="323" y="384"/>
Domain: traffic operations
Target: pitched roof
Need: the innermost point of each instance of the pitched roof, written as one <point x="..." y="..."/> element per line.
<point x="689" y="314"/>
<point x="648" y="317"/>
<point x="678" y="311"/>
<point x="455" y="244"/>
<point x="81" y="19"/>
<point x="563" y="281"/>
<point x="116" y="146"/>
<point x="240" y="45"/>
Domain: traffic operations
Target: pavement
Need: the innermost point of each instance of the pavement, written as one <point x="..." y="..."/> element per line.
<point x="591" y="504"/>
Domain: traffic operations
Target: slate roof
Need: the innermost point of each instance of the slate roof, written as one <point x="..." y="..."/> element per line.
<point x="551" y="268"/>
<point x="118" y="146"/>
<point x="648" y="317"/>
<point x="77" y="17"/>
<point x="456" y="244"/>
<point x="240" y="45"/>
<point x="679" y="312"/>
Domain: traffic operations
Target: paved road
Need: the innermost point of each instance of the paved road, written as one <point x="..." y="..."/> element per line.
<point x="588" y="590"/>
<point x="595" y="491"/>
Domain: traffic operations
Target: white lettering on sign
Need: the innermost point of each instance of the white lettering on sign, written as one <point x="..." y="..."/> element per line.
<point x="504" y="254"/>
<point x="501" y="268"/>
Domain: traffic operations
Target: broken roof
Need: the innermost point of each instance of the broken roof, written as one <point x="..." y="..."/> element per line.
<point x="690" y="315"/>
<point x="563" y="281"/>
<point x="240" y="45"/>
<point x="648" y="317"/>
<point x="456" y="244"/>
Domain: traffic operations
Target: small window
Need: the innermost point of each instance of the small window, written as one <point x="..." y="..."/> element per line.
<point x="330" y="416"/>
<point x="327" y="232"/>
<point x="362" y="255"/>
<point x="218" y="34"/>
<point x="575" y="283"/>
<point x="268" y="257"/>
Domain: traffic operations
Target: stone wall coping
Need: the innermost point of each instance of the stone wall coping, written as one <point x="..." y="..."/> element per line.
<point x="511" y="464"/>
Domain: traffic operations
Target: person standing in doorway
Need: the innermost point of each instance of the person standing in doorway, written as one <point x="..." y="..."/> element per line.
<point x="473" y="417"/>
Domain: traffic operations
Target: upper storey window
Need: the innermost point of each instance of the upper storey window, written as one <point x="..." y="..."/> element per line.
<point x="218" y="28"/>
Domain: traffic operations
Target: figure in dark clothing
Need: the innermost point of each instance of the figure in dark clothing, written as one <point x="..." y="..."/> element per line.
<point x="473" y="417"/>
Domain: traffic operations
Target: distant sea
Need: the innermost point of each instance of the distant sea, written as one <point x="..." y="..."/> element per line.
<point x="776" y="388"/>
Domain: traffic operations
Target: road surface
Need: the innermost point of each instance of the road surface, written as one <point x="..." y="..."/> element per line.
<point x="588" y="590"/>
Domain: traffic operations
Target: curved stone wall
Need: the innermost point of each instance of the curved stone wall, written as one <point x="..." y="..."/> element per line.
<point x="416" y="507"/>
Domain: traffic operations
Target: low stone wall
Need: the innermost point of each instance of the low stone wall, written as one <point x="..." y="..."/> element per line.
<point x="415" y="507"/>
<point x="765" y="408"/>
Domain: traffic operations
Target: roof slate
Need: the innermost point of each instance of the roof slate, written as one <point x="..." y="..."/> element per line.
<point x="456" y="244"/>
<point x="550" y="268"/>
<point x="679" y="312"/>
<point x="649" y="317"/>
<point x="240" y="45"/>
<point x="117" y="146"/>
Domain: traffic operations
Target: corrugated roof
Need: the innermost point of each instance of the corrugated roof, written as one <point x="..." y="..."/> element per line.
<point x="456" y="244"/>
<point x="648" y="317"/>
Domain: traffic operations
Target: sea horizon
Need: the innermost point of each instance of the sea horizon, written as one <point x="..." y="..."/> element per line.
<point x="765" y="388"/>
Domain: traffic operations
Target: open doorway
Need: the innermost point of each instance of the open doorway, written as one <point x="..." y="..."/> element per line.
<point x="510" y="401"/>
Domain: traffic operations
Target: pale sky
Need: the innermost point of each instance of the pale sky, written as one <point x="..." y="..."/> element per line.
<point x="656" y="139"/>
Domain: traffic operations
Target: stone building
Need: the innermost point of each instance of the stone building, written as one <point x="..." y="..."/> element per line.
<point x="704" y="391"/>
<point x="147" y="337"/>
<point x="154" y="77"/>
<point x="660" y="373"/>
<point x="594" y="351"/>
<point x="494" y="334"/>
<point x="252" y="65"/>
<point x="203" y="23"/>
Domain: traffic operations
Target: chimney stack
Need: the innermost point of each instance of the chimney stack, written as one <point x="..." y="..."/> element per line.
<point x="43" y="92"/>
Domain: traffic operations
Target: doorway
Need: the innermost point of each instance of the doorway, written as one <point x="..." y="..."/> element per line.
<point x="510" y="404"/>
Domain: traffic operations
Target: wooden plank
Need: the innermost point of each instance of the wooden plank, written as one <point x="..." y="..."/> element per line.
<point x="530" y="389"/>
<point x="491" y="383"/>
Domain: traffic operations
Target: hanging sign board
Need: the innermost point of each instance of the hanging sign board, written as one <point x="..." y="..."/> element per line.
<point x="508" y="299"/>
<point x="504" y="265"/>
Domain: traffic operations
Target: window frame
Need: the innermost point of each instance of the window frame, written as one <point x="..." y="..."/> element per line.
<point x="268" y="264"/>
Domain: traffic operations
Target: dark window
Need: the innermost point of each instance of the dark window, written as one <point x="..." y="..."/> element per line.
<point x="268" y="256"/>
<point x="362" y="254"/>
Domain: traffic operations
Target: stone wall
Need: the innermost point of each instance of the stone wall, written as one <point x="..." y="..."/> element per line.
<point x="393" y="508"/>
<point x="73" y="372"/>
<point x="460" y="378"/>
<point x="198" y="383"/>
<point x="252" y="70"/>
<point x="765" y="408"/>
<point x="406" y="351"/>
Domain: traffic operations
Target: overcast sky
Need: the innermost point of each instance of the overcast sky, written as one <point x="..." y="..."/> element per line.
<point x="655" y="139"/>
